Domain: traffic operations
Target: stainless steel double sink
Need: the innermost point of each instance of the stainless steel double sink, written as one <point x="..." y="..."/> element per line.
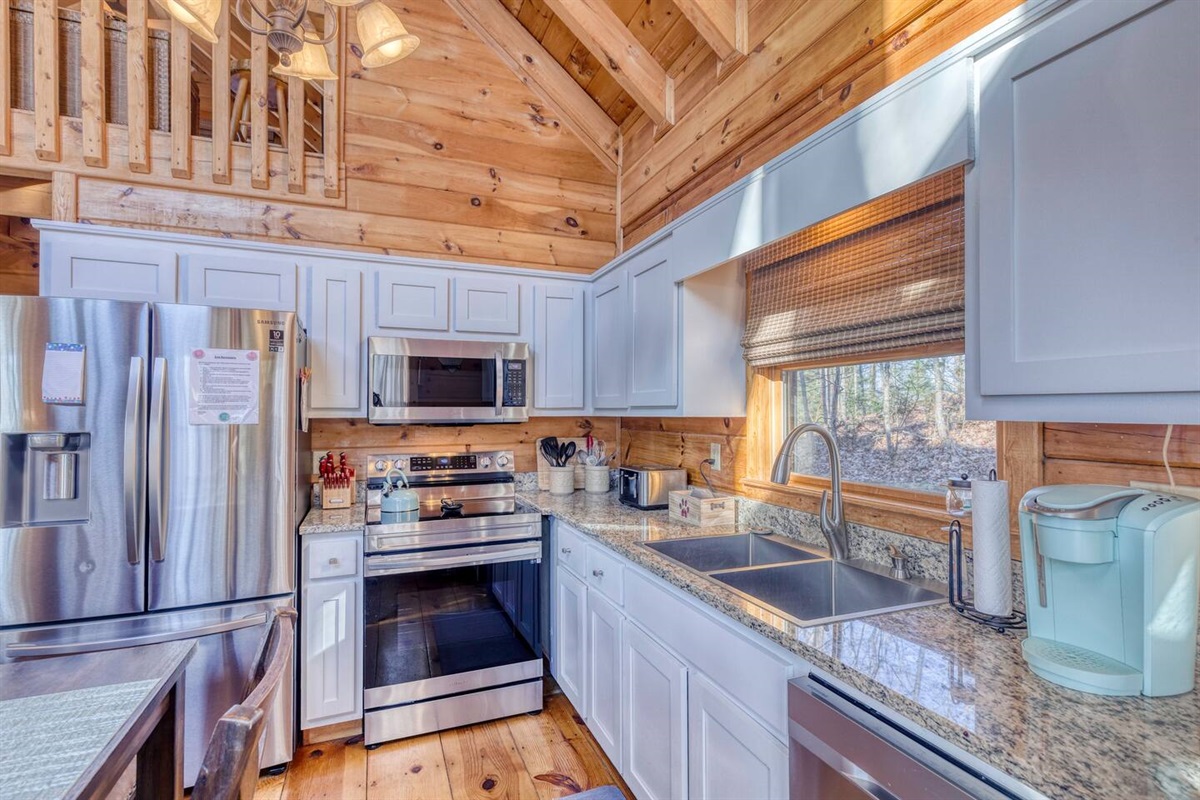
<point x="805" y="587"/>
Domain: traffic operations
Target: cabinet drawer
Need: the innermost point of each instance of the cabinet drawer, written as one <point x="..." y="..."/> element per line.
<point x="605" y="573"/>
<point x="332" y="559"/>
<point x="570" y="548"/>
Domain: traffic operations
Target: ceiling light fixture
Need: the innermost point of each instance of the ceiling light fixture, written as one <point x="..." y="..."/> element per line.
<point x="383" y="36"/>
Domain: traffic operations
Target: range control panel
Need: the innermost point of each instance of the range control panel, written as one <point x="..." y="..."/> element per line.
<point x="440" y="464"/>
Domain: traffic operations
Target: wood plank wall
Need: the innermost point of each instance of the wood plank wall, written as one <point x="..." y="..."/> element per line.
<point x="358" y="439"/>
<point x="810" y="61"/>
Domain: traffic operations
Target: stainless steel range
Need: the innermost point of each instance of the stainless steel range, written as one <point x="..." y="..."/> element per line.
<point x="452" y="597"/>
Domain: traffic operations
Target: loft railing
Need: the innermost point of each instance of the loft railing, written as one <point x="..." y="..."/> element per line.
<point x="141" y="99"/>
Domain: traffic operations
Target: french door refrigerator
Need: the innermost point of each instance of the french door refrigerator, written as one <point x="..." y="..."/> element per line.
<point x="150" y="464"/>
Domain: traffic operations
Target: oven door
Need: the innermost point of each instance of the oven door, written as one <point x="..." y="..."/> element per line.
<point x="428" y="380"/>
<point x="451" y="638"/>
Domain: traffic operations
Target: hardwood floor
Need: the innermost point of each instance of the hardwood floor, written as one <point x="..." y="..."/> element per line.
<point x="526" y="757"/>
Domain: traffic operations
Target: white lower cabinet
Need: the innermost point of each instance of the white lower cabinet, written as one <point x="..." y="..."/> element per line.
<point x="654" y="714"/>
<point x="604" y="624"/>
<point x="651" y="698"/>
<point x="330" y="630"/>
<point x="569" y="656"/>
<point x="729" y="753"/>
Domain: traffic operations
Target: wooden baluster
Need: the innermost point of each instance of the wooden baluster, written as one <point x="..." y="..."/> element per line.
<point x="92" y="83"/>
<point x="295" y="128"/>
<point x="45" y="81"/>
<point x="5" y="99"/>
<point x="331" y="114"/>
<point x="138" y="116"/>
<point x="260" y="173"/>
<point x="220" y="100"/>
<point x="181" y="101"/>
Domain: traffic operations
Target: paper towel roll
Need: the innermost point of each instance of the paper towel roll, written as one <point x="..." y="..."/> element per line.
<point x="993" y="560"/>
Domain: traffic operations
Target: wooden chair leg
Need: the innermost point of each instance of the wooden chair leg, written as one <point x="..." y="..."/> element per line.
<point x="239" y="106"/>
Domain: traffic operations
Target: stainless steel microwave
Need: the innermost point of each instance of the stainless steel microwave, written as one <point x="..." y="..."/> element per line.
<point x="446" y="381"/>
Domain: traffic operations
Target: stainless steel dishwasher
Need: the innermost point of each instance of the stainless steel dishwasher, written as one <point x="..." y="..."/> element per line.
<point x="841" y="748"/>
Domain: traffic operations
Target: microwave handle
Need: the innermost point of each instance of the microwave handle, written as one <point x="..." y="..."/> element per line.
<point x="499" y="383"/>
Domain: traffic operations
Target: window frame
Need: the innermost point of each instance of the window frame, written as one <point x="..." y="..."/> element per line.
<point x="922" y="514"/>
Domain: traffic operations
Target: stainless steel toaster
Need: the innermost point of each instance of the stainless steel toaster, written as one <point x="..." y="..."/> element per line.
<point x="647" y="487"/>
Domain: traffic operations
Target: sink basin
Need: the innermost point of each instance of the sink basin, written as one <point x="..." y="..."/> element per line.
<point x="825" y="591"/>
<point x="712" y="553"/>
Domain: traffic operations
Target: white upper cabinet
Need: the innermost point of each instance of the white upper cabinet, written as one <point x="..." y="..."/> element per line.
<point x="654" y="330"/>
<point x="331" y="303"/>
<point x="558" y="351"/>
<point x="106" y="268"/>
<point x="249" y="280"/>
<point x="416" y="299"/>
<point x="1084" y="272"/>
<point x="610" y="341"/>
<point x="487" y="305"/>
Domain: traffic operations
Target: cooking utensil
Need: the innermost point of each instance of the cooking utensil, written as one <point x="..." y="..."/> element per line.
<point x="550" y="450"/>
<point x="566" y="454"/>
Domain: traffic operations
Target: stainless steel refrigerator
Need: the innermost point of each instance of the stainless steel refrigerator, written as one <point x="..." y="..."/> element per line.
<point x="150" y="488"/>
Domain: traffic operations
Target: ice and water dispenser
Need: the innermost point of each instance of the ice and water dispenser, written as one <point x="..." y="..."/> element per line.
<point x="45" y="480"/>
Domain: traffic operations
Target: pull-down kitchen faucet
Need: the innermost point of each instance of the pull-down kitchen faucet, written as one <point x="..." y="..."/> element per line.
<point x="833" y="523"/>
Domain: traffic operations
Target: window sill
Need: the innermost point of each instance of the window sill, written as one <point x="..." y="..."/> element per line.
<point x="914" y="519"/>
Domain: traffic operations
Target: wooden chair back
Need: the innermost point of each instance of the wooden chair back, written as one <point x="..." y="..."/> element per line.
<point x="230" y="767"/>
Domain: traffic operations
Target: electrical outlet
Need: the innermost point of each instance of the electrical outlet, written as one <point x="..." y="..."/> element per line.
<point x="714" y="453"/>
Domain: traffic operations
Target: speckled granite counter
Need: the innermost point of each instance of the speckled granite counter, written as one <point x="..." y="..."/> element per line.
<point x="330" y="520"/>
<point x="954" y="678"/>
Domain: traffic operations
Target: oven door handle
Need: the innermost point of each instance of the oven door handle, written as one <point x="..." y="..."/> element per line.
<point x="378" y="565"/>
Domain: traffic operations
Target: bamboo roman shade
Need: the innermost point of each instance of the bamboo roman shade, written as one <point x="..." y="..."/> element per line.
<point x="883" y="276"/>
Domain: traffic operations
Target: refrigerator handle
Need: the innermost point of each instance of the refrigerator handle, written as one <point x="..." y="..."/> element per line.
<point x="16" y="651"/>
<point x="135" y="475"/>
<point x="159" y="465"/>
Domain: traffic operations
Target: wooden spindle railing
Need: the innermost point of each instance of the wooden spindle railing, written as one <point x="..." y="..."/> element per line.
<point x="143" y="150"/>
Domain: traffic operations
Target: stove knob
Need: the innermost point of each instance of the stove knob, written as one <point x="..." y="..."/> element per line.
<point x="380" y="465"/>
<point x="484" y="462"/>
<point x="503" y="461"/>
<point x="402" y="464"/>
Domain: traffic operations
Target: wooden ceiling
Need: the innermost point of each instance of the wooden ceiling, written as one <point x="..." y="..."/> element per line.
<point x="658" y="25"/>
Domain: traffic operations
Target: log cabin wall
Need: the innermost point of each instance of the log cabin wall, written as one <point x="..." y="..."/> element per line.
<point x="809" y="62"/>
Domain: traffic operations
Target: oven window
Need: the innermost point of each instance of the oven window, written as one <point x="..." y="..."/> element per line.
<point x="443" y="622"/>
<point x="432" y="382"/>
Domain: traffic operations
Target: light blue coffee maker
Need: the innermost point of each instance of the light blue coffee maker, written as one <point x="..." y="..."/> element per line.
<point x="1111" y="588"/>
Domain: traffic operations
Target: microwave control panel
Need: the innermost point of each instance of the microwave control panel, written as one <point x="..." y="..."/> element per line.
<point x="514" y="383"/>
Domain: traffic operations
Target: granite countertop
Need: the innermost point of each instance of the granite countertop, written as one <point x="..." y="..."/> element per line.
<point x="334" y="520"/>
<point x="959" y="680"/>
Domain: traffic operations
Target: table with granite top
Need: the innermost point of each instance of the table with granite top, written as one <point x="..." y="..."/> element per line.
<point x="958" y="680"/>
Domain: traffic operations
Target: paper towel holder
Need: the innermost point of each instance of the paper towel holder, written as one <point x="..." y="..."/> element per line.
<point x="963" y="605"/>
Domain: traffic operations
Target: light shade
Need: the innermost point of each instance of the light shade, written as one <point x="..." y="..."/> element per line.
<point x="198" y="16"/>
<point x="344" y="3"/>
<point x="311" y="63"/>
<point x="382" y="35"/>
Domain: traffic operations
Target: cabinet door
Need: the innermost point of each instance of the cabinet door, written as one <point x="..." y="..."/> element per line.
<point x="569" y="655"/>
<point x="729" y="753"/>
<point x="239" y="281"/>
<point x="653" y="351"/>
<point x="610" y="342"/>
<point x="330" y="647"/>
<point x="604" y="623"/>
<point x="1087" y="247"/>
<point x="558" y="346"/>
<point x="107" y="268"/>
<point x="331" y="309"/>
<point x="417" y="299"/>
<point x="654" y="699"/>
<point x="487" y="305"/>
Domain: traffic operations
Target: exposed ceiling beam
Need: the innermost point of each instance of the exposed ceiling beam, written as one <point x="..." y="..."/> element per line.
<point x="631" y="64"/>
<point x="538" y="70"/>
<point x="724" y="24"/>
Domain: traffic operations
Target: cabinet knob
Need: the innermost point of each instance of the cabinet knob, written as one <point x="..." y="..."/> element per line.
<point x="566" y="551"/>
<point x="599" y="573"/>
<point x="333" y="562"/>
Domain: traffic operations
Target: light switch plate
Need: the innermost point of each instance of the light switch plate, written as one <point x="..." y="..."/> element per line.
<point x="714" y="453"/>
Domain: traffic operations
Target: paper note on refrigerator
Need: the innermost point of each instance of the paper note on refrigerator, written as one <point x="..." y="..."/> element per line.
<point x="62" y="374"/>
<point x="223" y="387"/>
